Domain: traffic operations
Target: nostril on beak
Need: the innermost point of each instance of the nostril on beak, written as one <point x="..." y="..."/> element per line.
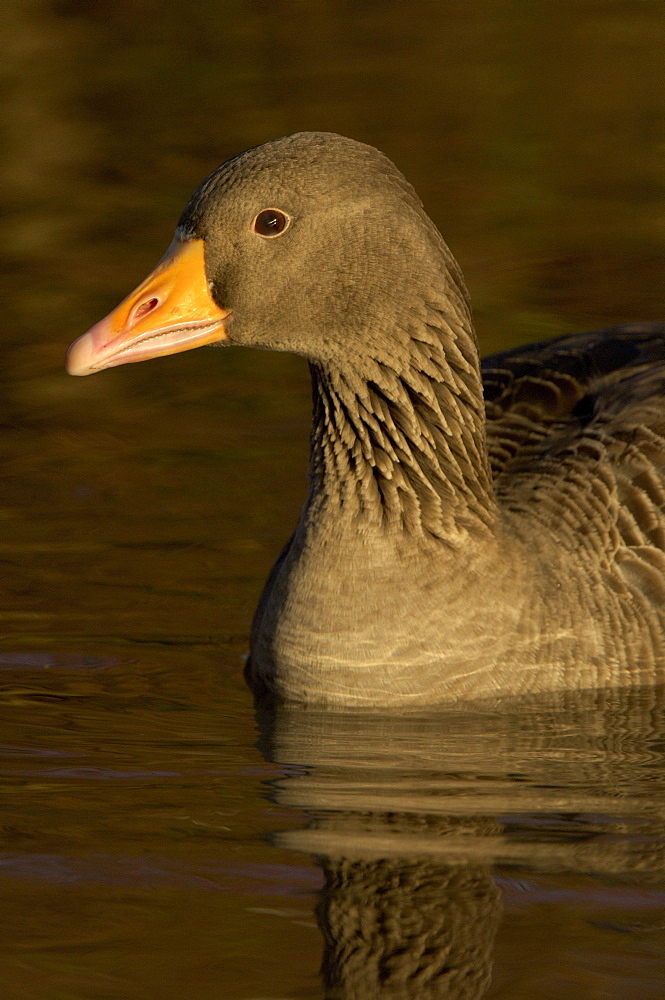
<point x="144" y="308"/>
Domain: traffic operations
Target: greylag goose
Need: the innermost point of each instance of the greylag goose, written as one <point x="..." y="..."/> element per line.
<point x="450" y="546"/>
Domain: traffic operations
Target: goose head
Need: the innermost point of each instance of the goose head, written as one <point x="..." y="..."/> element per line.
<point x="313" y="244"/>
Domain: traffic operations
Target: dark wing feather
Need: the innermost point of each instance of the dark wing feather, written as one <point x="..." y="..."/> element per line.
<point x="577" y="437"/>
<point x="550" y="392"/>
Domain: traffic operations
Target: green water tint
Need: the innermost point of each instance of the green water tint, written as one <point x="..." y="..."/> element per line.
<point x="150" y="848"/>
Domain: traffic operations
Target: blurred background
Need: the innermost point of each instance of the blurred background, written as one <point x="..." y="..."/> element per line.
<point x="535" y="134"/>
<point x="141" y="508"/>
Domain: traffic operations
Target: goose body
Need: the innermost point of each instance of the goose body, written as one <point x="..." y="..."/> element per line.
<point x="467" y="533"/>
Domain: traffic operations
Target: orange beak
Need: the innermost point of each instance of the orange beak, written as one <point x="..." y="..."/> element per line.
<point x="171" y="311"/>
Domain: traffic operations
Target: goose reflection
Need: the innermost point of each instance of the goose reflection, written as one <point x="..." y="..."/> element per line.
<point x="416" y="820"/>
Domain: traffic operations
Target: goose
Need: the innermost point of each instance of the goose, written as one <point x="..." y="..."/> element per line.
<point x="468" y="532"/>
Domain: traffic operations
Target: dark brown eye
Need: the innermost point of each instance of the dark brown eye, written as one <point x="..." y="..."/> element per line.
<point x="270" y="222"/>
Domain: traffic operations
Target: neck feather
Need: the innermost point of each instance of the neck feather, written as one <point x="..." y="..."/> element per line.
<point x="403" y="445"/>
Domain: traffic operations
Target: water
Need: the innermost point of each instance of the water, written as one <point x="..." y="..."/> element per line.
<point x="521" y="846"/>
<point x="158" y="840"/>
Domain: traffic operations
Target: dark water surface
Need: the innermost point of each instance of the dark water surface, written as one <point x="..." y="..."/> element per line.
<point x="158" y="840"/>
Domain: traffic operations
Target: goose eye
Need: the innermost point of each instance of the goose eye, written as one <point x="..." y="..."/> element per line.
<point x="270" y="222"/>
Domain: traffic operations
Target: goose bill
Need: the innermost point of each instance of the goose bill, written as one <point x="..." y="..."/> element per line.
<point x="171" y="311"/>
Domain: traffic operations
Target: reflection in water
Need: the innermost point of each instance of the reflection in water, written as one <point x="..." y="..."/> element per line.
<point x="407" y="928"/>
<point x="413" y="817"/>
